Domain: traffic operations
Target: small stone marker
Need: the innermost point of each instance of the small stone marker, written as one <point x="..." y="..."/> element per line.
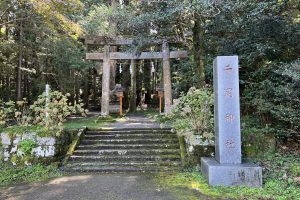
<point x="227" y="168"/>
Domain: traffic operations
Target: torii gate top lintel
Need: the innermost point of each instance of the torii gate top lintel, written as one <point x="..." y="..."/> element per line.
<point x="119" y="41"/>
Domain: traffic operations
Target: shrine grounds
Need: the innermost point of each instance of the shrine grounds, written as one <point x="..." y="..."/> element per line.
<point x="280" y="180"/>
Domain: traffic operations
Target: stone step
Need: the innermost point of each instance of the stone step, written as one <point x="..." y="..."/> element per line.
<point x="133" y="128"/>
<point x="129" y="163"/>
<point x="130" y="141"/>
<point x="127" y="146"/>
<point x="129" y="136"/>
<point x="130" y="131"/>
<point x="128" y="152"/>
<point x="131" y="158"/>
<point x="120" y="169"/>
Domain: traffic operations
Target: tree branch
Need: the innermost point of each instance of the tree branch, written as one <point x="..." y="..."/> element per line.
<point x="11" y="21"/>
<point x="5" y="11"/>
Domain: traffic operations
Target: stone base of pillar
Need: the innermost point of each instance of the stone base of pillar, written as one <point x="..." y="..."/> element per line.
<point x="231" y="174"/>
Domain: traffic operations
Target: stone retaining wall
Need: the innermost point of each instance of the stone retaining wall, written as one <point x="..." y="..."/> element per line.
<point x="46" y="147"/>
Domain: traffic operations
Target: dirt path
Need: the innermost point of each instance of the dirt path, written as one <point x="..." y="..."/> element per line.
<point x="98" y="187"/>
<point x="136" y="121"/>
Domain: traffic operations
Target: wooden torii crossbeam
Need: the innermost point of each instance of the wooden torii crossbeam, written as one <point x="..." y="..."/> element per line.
<point x="130" y="56"/>
<point x="119" y="41"/>
<point x="107" y="56"/>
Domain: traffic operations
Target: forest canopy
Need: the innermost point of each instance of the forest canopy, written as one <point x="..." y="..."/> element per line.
<point x="42" y="41"/>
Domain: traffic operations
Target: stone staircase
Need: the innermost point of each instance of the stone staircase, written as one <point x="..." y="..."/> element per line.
<point x="127" y="150"/>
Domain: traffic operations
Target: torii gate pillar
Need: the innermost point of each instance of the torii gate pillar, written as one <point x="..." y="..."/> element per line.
<point x="167" y="77"/>
<point x="105" y="82"/>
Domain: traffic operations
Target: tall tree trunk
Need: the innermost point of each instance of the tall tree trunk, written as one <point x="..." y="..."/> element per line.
<point x="86" y="89"/>
<point x="18" y="71"/>
<point x="198" y="39"/>
<point x="8" y="88"/>
<point x="2" y="86"/>
<point x="76" y="87"/>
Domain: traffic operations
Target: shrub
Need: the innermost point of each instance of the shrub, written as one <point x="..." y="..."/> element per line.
<point x="18" y="113"/>
<point x="192" y="114"/>
<point x="277" y="98"/>
<point x="51" y="112"/>
<point x="22" y="113"/>
<point x="6" y="108"/>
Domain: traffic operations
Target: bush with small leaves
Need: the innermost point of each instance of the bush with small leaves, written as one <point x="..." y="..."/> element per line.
<point x="5" y="110"/>
<point x="51" y="112"/>
<point x="192" y="114"/>
<point x="18" y="113"/>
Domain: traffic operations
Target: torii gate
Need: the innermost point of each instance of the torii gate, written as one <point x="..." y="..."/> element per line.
<point x="107" y="56"/>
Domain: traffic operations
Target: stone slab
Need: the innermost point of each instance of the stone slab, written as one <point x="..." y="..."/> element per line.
<point x="231" y="174"/>
<point x="5" y="139"/>
<point x="16" y="139"/>
<point x="49" y="141"/>
<point x="227" y="110"/>
<point x="44" y="151"/>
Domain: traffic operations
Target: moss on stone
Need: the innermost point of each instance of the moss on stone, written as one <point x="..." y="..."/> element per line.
<point x="188" y="185"/>
<point x="182" y="149"/>
<point x="13" y="131"/>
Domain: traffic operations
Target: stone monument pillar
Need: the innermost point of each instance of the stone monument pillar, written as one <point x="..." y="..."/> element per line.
<point x="227" y="169"/>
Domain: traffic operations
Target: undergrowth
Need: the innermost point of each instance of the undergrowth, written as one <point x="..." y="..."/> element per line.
<point x="280" y="178"/>
<point x="11" y="175"/>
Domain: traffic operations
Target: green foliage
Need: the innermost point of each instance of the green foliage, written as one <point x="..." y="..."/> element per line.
<point x="99" y="21"/>
<point x="24" y="174"/>
<point x="15" y="112"/>
<point x="192" y="114"/>
<point x="295" y="170"/>
<point x="55" y="14"/>
<point x="47" y="47"/>
<point x="53" y="110"/>
<point x="5" y="110"/>
<point x="22" y="113"/>
<point x="90" y="122"/>
<point x="279" y="182"/>
<point x="277" y="98"/>
<point x="14" y="159"/>
<point x="257" y="139"/>
<point x="264" y="34"/>
<point x="19" y="130"/>
<point x="26" y="146"/>
<point x="46" y="115"/>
